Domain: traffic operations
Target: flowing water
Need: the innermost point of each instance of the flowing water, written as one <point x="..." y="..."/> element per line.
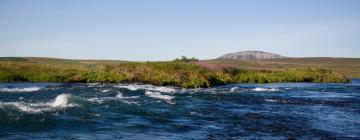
<point x="135" y="111"/>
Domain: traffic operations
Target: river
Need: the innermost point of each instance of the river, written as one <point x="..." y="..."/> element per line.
<point x="138" y="111"/>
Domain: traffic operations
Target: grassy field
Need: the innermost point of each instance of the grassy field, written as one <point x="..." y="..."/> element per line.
<point x="171" y="73"/>
<point x="350" y="67"/>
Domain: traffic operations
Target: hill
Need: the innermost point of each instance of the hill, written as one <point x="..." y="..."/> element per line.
<point x="251" y="55"/>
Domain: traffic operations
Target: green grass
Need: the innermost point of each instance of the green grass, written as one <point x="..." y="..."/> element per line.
<point x="172" y="73"/>
<point x="349" y="67"/>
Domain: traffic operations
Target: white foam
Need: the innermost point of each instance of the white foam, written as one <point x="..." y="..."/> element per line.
<point x="60" y="102"/>
<point x="165" y="89"/>
<point x="94" y="85"/>
<point x="265" y="89"/>
<point x="196" y="90"/>
<point x="271" y="100"/>
<point x="25" y="107"/>
<point x="120" y="96"/>
<point x="129" y="87"/>
<point x="234" y="89"/>
<point x="106" y="90"/>
<point x="64" y="100"/>
<point x="27" y="89"/>
<point x="158" y="95"/>
<point x="135" y="87"/>
<point x="96" y="100"/>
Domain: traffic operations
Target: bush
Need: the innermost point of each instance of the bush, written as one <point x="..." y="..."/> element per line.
<point x="185" y="59"/>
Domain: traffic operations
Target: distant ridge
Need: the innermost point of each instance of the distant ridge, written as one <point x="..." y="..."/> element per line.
<point x="251" y="55"/>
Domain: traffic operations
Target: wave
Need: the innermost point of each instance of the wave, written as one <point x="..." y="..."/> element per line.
<point x="60" y="102"/>
<point x="208" y="90"/>
<point x="158" y="95"/>
<point x="265" y="89"/>
<point x="271" y="100"/>
<point x="27" y="89"/>
<point x="234" y="89"/>
<point x="94" y="85"/>
<point x="118" y="97"/>
<point x="135" y="87"/>
<point x="25" y="107"/>
<point x="191" y="91"/>
<point x="106" y="90"/>
<point x="66" y="100"/>
<point x="129" y="87"/>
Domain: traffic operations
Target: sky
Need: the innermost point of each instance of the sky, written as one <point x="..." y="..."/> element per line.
<point x="151" y="30"/>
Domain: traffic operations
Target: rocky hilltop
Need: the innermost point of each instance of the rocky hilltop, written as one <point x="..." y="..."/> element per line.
<point x="250" y="55"/>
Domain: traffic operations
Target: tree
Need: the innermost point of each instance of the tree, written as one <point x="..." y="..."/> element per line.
<point x="186" y="59"/>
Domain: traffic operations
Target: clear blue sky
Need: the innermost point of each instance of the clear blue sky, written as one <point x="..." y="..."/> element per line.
<point x="166" y="29"/>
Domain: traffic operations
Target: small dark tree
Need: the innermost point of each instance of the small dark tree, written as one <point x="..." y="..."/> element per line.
<point x="185" y="59"/>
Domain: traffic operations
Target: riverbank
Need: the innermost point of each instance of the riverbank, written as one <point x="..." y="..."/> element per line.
<point x="181" y="74"/>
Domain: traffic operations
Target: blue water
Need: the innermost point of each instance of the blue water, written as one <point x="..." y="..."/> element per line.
<point x="133" y="111"/>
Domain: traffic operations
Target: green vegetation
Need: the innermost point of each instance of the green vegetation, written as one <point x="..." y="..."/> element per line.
<point x="175" y="73"/>
<point x="291" y="75"/>
<point x="349" y="67"/>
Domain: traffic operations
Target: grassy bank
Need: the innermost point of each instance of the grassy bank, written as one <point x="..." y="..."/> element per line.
<point x="350" y="67"/>
<point x="182" y="74"/>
